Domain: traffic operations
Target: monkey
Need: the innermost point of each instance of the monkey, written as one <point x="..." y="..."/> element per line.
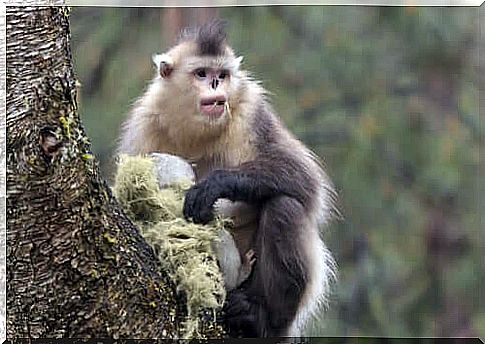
<point x="170" y="169"/>
<point x="202" y="106"/>
<point x="235" y="270"/>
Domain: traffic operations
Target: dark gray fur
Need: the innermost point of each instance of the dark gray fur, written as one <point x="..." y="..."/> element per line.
<point x="210" y="37"/>
<point x="283" y="190"/>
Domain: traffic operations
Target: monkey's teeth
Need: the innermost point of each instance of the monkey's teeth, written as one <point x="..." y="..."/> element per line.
<point x="214" y="108"/>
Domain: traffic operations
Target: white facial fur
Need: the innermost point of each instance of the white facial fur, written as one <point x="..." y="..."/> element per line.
<point x="188" y="92"/>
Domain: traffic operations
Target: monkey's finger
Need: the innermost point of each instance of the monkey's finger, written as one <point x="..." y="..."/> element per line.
<point x="205" y="215"/>
<point x="196" y="206"/>
<point x="250" y="254"/>
<point x="252" y="261"/>
<point x="189" y="201"/>
<point x="202" y="208"/>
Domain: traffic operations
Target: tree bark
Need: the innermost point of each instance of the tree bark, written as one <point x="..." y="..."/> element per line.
<point x="76" y="266"/>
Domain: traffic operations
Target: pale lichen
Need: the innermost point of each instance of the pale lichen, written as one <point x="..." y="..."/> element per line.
<point x="183" y="248"/>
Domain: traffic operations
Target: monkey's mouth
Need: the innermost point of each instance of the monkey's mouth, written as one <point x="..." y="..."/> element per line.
<point x="213" y="106"/>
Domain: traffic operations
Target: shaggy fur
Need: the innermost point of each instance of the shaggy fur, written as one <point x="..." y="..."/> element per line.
<point x="248" y="157"/>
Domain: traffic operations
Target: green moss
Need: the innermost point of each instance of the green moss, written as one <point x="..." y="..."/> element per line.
<point x="109" y="238"/>
<point x="66" y="125"/>
<point x="183" y="248"/>
<point x="87" y="156"/>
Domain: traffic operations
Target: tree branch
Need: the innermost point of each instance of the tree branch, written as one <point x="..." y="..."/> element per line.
<point x="77" y="266"/>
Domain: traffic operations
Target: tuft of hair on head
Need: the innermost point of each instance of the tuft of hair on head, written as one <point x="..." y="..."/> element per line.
<point x="209" y="37"/>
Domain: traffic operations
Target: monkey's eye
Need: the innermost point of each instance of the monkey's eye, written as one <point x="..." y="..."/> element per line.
<point x="223" y="74"/>
<point x="200" y="73"/>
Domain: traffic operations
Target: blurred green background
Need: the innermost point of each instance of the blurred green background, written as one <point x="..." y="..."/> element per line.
<point x="389" y="98"/>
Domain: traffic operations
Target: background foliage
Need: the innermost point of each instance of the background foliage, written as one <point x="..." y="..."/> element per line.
<point x="389" y="98"/>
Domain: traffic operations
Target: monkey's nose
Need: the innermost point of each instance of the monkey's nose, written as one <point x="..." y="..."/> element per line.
<point x="214" y="83"/>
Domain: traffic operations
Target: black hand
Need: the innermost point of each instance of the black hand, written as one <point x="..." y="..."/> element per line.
<point x="240" y="320"/>
<point x="200" y="198"/>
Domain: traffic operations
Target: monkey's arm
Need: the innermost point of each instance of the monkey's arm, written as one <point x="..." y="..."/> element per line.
<point x="253" y="182"/>
<point x="284" y="186"/>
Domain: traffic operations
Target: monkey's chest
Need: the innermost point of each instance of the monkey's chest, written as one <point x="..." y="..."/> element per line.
<point x="203" y="167"/>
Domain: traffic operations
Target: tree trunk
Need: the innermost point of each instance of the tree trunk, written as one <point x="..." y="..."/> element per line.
<point x="174" y="19"/>
<point x="76" y="266"/>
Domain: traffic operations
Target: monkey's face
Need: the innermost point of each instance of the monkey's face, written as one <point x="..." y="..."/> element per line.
<point x="206" y="87"/>
<point x="211" y="86"/>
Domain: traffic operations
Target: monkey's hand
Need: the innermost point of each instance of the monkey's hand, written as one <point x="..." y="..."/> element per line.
<point x="238" y="316"/>
<point x="200" y="198"/>
<point x="247" y="266"/>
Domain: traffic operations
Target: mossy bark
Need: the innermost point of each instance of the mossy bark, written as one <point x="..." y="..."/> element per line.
<point x="76" y="265"/>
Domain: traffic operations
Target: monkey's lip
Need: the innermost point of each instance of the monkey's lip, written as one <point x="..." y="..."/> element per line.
<point x="213" y="106"/>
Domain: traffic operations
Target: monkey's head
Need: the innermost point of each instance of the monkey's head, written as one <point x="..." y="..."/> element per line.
<point x="201" y="75"/>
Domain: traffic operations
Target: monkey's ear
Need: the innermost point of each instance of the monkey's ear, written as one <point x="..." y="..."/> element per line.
<point x="238" y="61"/>
<point x="164" y="64"/>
